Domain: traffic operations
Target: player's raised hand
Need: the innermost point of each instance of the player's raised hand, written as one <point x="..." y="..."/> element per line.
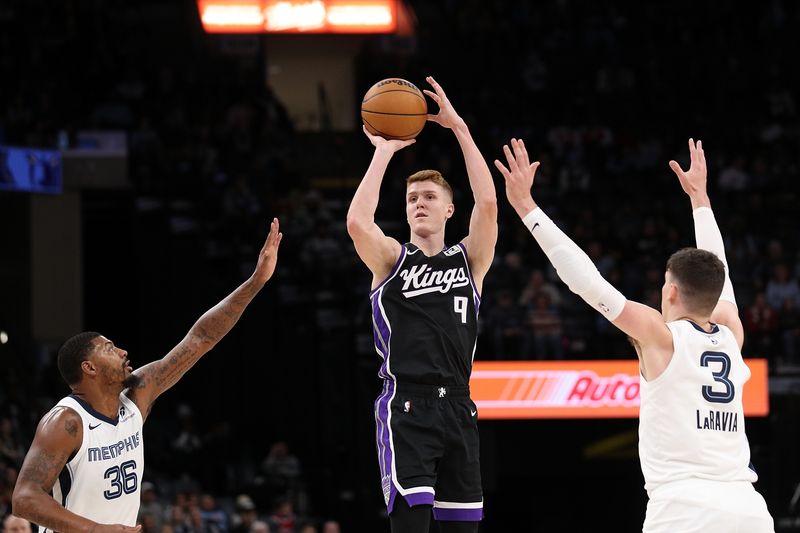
<point x="518" y="175"/>
<point x="392" y="145"/>
<point x="693" y="181"/>
<point x="447" y="116"/>
<point x="269" y="254"/>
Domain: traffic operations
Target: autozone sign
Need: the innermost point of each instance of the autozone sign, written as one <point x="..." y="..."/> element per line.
<point x="579" y="389"/>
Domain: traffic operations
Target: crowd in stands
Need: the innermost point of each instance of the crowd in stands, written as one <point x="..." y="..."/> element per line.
<point x="604" y="94"/>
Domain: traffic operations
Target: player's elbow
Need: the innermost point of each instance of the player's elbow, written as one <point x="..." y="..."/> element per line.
<point x="356" y="224"/>
<point x="488" y="205"/>
<point x="23" y="501"/>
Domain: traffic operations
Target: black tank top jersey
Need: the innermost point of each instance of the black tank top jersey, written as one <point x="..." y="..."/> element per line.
<point x="425" y="318"/>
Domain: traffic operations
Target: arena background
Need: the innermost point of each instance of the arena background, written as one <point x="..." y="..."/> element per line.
<point x="179" y="146"/>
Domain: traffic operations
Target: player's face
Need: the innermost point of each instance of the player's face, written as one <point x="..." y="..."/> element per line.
<point x="112" y="362"/>
<point x="428" y="206"/>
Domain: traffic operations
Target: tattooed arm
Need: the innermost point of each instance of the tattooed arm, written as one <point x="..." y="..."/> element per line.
<point x="158" y="376"/>
<point x="58" y="436"/>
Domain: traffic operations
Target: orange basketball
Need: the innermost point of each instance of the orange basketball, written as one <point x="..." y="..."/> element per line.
<point x="394" y="109"/>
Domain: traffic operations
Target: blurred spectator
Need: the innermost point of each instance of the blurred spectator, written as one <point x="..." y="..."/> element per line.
<point x="546" y="326"/>
<point x="282" y="519"/>
<point x="760" y="325"/>
<point x="331" y="526"/>
<point x="187" y="444"/>
<point x="734" y="177"/>
<point x="509" y="273"/>
<point x="152" y="511"/>
<point x="15" y="524"/>
<point x="282" y="469"/>
<point x="259" y="526"/>
<point x="213" y="518"/>
<point x="781" y="288"/>
<point x="505" y="322"/>
<point x="8" y="478"/>
<point x="537" y="284"/>
<point x="185" y="514"/>
<point x="11" y="450"/>
<point x="790" y="330"/>
<point x="245" y="515"/>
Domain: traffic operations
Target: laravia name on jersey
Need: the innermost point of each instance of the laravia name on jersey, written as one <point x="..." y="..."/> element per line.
<point x="423" y="279"/>
<point x="718" y="421"/>
<point x="113" y="451"/>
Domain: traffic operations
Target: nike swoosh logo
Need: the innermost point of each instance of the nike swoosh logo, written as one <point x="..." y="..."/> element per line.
<point x="473" y="412"/>
<point x="94" y="427"/>
<point x="534" y="226"/>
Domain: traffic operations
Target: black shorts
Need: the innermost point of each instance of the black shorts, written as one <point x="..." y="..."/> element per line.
<point x="428" y="449"/>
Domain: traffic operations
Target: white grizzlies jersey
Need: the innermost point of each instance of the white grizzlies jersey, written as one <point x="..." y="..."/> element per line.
<point x="691" y="421"/>
<point x="102" y="482"/>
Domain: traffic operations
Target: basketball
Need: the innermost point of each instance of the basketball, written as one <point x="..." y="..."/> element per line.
<point x="394" y="109"/>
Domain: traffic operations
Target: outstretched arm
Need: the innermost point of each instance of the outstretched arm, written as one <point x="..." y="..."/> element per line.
<point x="158" y="376"/>
<point x="576" y="269"/>
<point x="707" y="234"/>
<point x="482" y="236"/>
<point x="58" y="437"/>
<point x="375" y="249"/>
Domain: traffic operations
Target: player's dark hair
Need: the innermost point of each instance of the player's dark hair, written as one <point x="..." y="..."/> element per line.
<point x="72" y="353"/>
<point x="699" y="275"/>
<point x="430" y="175"/>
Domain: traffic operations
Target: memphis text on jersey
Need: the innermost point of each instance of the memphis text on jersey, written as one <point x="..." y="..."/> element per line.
<point x="717" y="420"/>
<point x="112" y="451"/>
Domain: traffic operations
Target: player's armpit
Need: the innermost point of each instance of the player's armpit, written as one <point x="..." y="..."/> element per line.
<point x="644" y="325"/>
<point x="377" y="251"/>
<point x="482" y="238"/>
<point x="727" y="314"/>
<point x="649" y="334"/>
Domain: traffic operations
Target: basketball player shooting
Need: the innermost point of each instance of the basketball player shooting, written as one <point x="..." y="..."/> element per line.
<point x="692" y="445"/>
<point x="425" y="298"/>
<point x="83" y="471"/>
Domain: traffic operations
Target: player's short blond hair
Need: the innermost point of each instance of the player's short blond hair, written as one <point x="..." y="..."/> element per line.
<point x="431" y="175"/>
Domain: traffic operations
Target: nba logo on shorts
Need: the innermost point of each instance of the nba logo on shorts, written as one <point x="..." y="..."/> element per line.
<point x="407" y="406"/>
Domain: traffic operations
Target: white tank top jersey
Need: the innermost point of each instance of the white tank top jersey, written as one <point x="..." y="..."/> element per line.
<point x="102" y="482"/>
<point x="691" y="419"/>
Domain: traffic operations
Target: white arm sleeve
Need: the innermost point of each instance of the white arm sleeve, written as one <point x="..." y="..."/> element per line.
<point x="708" y="237"/>
<point x="574" y="267"/>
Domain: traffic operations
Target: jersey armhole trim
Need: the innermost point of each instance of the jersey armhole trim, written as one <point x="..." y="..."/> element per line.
<point x="394" y="270"/>
<point x="469" y="272"/>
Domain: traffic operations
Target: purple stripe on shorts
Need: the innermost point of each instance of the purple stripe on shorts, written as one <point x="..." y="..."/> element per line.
<point x="419" y="498"/>
<point x="458" y="515"/>
<point x="385" y="458"/>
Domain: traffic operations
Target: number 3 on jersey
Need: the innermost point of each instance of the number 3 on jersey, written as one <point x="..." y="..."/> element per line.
<point x="123" y="479"/>
<point x="460" y="304"/>
<point x="721" y="376"/>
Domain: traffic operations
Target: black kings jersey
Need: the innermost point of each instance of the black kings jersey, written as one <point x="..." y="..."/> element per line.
<point x="425" y="318"/>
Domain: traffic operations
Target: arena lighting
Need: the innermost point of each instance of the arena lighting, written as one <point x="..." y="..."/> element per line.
<point x="579" y="389"/>
<point x="3" y="337"/>
<point x="232" y="17"/>
<point x="298" y="16"/>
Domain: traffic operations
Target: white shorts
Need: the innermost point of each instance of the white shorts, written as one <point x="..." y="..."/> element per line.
<point x="699" y="505"/>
